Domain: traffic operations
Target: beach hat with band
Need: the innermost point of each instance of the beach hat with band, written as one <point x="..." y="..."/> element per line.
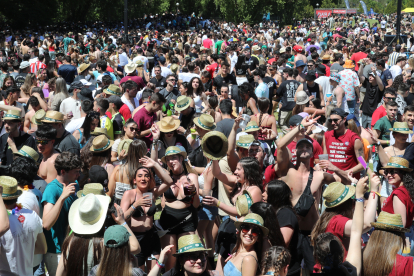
<point x="182" y="103"/>
<point x="38" y="117"/>
<point x="101" y="143"/>
<point x="251" y="127"/>
<point x="245" y="141"/>
<point x="243" y="203"/>
<point x="253" y="219"/>
<point x="99" y="131"/>
<point x="173" y="150"/>
<point x="190" y="243"/>
<point x="214" y="145"/>
<point x="337" y="193"/>
<point x="113" y="90"/>
<point x="53" y="117"/>
<point x="401" y="127"/>
<point x="13" y="115"/>
<point x="398" y="163"/>
<point x="10" y="188"/>
<point x="389" y="222"/>
<point x="28" y="152"/>
<point x="168" y="124"/>
<point x="124" y="145"/>
<point x="205" y="121"/>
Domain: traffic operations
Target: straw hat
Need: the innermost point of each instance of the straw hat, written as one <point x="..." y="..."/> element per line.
<point x="168" y="124"/>
<point x="326" y="57"/>
<point x="205" y="121"/>
<point x="130" y="67"/>
<point x="87" y="214"/>
<point x="10" y="190"/>
<point x="214" y="145"/>
<point x="337" y="193"/>
<point x="124" y="145"/>
<point x="243" y="203"/>
<point x="172" y="151"/>
<point x="139" y="63"/>
<point x="389" y="222"/>
<point x="190" y="243"/>
<point x="245" y="141"/>
<point x="13" y="115"/>
<point x="348" y="64"/>
<point x="182" y="103"/>
<point x="401" y="127"/>
<point x="38" y="117"/>
<point x="83" y="67"/>
<point x="99" y="131"/>
<point x="398" y="163"/>
<point x="28" y="152"/>
<point x="302" y="97"/>
<point x="113" y="90"/>
<point x="53" y="117"/>
<point x="254" y="219"/>
<point x="101" y="143"/>
<point x="251" y="127"/>
<point x="91" y="188"/>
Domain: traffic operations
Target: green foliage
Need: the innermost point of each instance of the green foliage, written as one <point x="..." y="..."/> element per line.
<point x="328" y="4"/>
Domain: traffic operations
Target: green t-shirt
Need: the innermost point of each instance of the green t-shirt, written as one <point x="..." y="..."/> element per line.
<point x="57" y="234"/>
<point x="218" y="45"/>
<point x="383" y="125"/>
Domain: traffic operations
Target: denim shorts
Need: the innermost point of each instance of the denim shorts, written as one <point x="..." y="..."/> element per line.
<point x="207" y="212"/>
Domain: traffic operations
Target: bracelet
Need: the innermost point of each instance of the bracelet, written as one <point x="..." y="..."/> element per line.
<point x="160" y="265"/>
<point x="361" y="199"/>
<point x="375" y="193"/>
<point x="123" y="223"/>
<point x="132" y="206"/>
<point x="218" y="203"/>
<point x="301" y="126"/>
<point x="354" y="184"/>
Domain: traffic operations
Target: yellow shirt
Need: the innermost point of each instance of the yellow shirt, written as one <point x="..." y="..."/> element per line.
<point x="107" y="123"/>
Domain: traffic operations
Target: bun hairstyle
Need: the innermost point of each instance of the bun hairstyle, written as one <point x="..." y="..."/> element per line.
<point x="276" y="258"/>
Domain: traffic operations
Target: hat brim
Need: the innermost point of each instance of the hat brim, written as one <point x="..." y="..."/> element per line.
<point x="79" y="195"/>
<point x="75" y="221"/>
<point x="349" y="67"/>
<point x="162" y="129"/>
<point x="208" y="152"/>
<point x="350" y="194"/>
<point x="403" y="132"/>
<point x="253" y="129"/>
<point x="239" y="223"/>
<point x="182" y="108"/>
<point x="403" y="169"/>
<point x="183" y="154"/>
<point x="84" y="69"/>
<point x="13" y="196"/>
<point x="200" y="126"/>
<point x="303" y="102"/>
<point x="12" y="119"/>
<point x="109" y="147"/>
<point x="192" y="250"/>
<point x="387" y="227"/>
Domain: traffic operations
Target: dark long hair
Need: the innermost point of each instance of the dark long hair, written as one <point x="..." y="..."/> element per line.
<point x="268" y="213"/>
<point x="408" y="181"/>
<point x="263" y="104"/>
<point x="191" y="92"/>
<point x="87" y="125"/>
<point x="252" y="173"/>
<point x="240" y="60"/>
<point x="75" y="250"/>
<point x="279" y="195"/>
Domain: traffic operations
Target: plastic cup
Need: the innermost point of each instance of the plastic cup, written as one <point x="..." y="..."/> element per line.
<point x="150" y="196"/>
<point x="246" y="120"/>
<point x="323" y="157"/>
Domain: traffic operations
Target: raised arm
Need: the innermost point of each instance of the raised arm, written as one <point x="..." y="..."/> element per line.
<point x="4" y="216"/>
<point x="227" y="179"/>
<point x="160" y="172"/>
<point x="360" y="73"/>
<point x="232" y="157"/>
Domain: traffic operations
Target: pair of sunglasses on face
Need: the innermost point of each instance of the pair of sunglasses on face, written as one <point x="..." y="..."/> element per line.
<point x="255" y="231"/>
<point x="42" y="141"/>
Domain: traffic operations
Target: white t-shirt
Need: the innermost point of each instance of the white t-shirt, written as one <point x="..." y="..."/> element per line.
<point x="395" y="71"/>
<point x="383" y="23"/>
<point x="70" y="104"/>
<point x="143" y="59"/>
<point x="164" y="72"/>
<point x="75" y="124"/>
<point x="186" y="77"/>
<point x="17" y="245"/>
<point x="326" y="85"/>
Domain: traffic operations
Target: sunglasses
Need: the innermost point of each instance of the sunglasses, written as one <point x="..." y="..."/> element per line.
<point x="172" y="80"/>
<point x="391" y="171"/>
<point x="42" y="141"/>
<point x="133" y="129"/>
<point x="245" y="228"/>
<point x="194" y="257"/>
<point x="333" y="120"/>
<point x="390" y="98"/>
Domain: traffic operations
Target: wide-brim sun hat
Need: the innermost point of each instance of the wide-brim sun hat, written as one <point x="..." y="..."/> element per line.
<point x="243" y="203"/>
<point x="12" y="115"/>
<point x="348" y="64"/>
<point x="168" y="124"/>
<point x="244" y="140"/>
<point x="87" y="214"/>
<point x="113" y="90"/>
<point x="91" y="188"/>
<point x="38" y="117"/>
<point x="401" y="127"/>
<point x="28" y="152"/>
<point x="251" y="127"/>
<point x="53" y="117"/>
<point x="337" y="193"/>
<point x="398" y="163"/>
<point x="130" y="67"/>
<point x="190" y="243"/>
<point x="389" y="222"/>
<point x="100" y="131"/>
<point x="302" y="97"/>
<point x="214" y="145"/>
<point x="254" y="219"/>
<point x="124" y="145"/>
<point x="182" y="103"/>
<point x="10" y="188"/>
<point x="83" y="67"/>
<point x="101" y="143"/>
<point x="172" y="151"/>
<point x="205" y="121"/>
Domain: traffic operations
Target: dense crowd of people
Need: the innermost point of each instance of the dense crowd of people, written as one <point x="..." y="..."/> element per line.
<point x="198" y="147"/>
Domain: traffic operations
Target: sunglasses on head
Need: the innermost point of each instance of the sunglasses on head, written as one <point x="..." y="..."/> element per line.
<point x="245" y="228"/>
<point x="42" y="141"/>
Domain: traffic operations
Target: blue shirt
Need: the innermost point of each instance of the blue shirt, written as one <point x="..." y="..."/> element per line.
<point x="57" y="234"/>
<point x="68" y="72"/>
<point x="96" y="75"/>
<point x="262" y="90"/>
<point x="385" y="76"/>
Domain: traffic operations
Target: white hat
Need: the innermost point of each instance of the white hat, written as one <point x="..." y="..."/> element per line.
<point x="130" y="67"/>
<point x="87" y="214"/>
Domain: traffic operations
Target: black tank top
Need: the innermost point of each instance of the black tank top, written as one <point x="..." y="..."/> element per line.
<point x="242" y="70"/>
<point x="312" y="90"/>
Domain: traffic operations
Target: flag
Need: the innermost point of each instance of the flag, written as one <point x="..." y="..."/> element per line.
<point x="364" y="7"/>
<point x="347" y="4"/>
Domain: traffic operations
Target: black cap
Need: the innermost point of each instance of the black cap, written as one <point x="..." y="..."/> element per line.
<point x="98" y="174"/>
<point x="295" y="120"/>
<point x="304" y="140"/>
<point x="76" y="84"/>
<point x="310" y="76"/>
<point x="340" y="112"/>
<point x="115" y="100"/>
<point x="321" y="69"/>
<point x="85" y="94"/>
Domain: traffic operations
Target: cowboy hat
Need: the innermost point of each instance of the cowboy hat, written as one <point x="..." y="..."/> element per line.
<point x="337" y="193"/>
<point x="389" y="222"/>
<point x="243" y="203"/>
<point x="214" y="145"/>
<point x="172" y="151"/>
<point x="190" y="243"/>
<point x="91" y="188"/>
<point x="182" y="103"/>
<point x="254" y="219"/>
<point x="10" y="188"/>
<point x="205" y="121"/>
<point x="101" y="143"/>
<point x="83" y="67"/>
<point x="28" y="152"/>
<point x="113" y="90"/>
<point x="251" y="127"/>
<point x="124" y="145"/>
<point x="401" y="127"/>
<point x="398" y="163"/>
<point x="53" y="117"/>
<point x="13" y="115"/>
<point x="348" y="64"/>
<point x="87" y="214"/>
<point x="168" y="124"/>
<point x="130" y="67"/>
<point x="38" y="117"/>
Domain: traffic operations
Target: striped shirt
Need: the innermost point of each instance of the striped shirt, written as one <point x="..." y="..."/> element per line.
<point x="392" y="59"/>
<point x="35" y="66"/>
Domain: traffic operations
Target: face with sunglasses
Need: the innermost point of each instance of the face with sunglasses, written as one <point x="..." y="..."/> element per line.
<point x="394" y="176"/>
<point x="336" y="121"/>
<point x="44" y="144"/>
<point x="194" y="262"/>
<point x="249" y="233"/>
<point x="131" y="130"/>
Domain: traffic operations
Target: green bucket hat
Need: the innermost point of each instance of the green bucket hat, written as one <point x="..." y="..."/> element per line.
<point x="116" y="236"/>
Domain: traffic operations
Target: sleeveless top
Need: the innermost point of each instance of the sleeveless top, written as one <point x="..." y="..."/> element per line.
<point x="261" y="136"/>
<point x="121" y="188"/>
<point x="231" y="270"/>
<point x="80" y="139"/>
<point x="198" y="104"/>
<point x="248" y="110"/>
<point x="403" y="266"/>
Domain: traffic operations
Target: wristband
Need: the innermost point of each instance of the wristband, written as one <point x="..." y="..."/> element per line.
<point x="354" y="184"/>
<point x="218" y="203"/>
<point x="378" y="143"/>
<point x="388" y="142"/>
<point x="301" y="126"/>
<point x="375" y="193"/>
<point x="132" y="206"/>
<point x="160" y="265"/>
<point x="123" y="223"/>
<point x="361" y="199"/>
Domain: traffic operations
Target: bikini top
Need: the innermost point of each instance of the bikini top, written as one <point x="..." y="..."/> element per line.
<point x="169" y="195"/>
<point x="139" y="212"/>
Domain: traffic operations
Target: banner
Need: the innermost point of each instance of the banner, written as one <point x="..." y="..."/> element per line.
<point x="347" y="4"/>
<point x="364" y="7"/>
<point x="323" y="13"/>
<point x="349" y="11"/>
<point x="340" y="11"/>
